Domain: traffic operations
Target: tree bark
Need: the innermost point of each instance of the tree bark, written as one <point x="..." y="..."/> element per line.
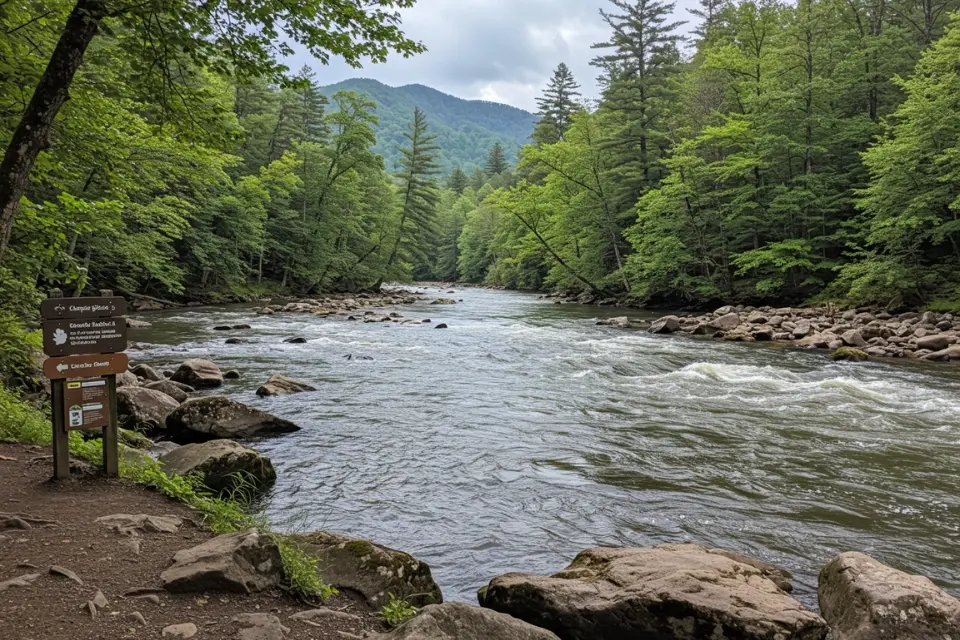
<point x="33" y="132"/>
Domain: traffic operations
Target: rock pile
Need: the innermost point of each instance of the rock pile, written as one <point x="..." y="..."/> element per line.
<point x="344" y="303"/>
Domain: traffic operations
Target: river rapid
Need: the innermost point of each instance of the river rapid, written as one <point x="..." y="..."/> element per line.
<point x="524" y="434"/>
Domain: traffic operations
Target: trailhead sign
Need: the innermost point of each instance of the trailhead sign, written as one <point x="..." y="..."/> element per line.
<point x="84" y="338"/>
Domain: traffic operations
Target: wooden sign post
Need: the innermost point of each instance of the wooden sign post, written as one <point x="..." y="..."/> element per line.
<point x="84" y="338"/>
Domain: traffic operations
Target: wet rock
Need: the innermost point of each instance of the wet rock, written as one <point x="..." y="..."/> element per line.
<point x="21" y="581"/>
<point x="219" y="463"/>
<point x="241" y="327"/>
<point x="780" y="577"/>
<point x="185" y="630"/>
<point x="279" y="385"/>
<point x="458" y="621"/>
<point x="936" y="342"/>
<point x="444" y="301"/>
<point x="259" y="626"/>
<point x="623" y="322"/>
<point x="63" y="572"/>
<point x="266" y="311"/>
<point x="233" y="374"/>
<point x="236" y="341"/>
<point x="172" y="389"/>
<point x="241" y="562"/>
<point x="442" y="325"/>
<point x="295" y="341"/>
<point x="666" y="324"/>
<point x="137" y="324"/>
<point x="223" y="328"/>
<point x="371" y="570"/>
<point x="199" y="374"/>
<point x="146" y="372"/>
<point x="142" y="409"/>
<point x="849" y="354"/>
<point x="863" y="599"/>
<point x="726" y="322"/>
<point x="137" y="525"/>
<point x="210" y="418"/>
<point x="677" y="591"/>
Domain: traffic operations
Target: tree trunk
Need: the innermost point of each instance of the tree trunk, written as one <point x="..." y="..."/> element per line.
<point x="33" y="132"/>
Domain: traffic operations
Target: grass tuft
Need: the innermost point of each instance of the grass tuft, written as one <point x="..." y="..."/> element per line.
<point x="397" y="611"/>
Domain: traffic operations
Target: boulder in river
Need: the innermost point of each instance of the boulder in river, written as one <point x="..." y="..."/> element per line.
<point x="850" y="354"/>
<point x="442" y="325"/>
<point x="279" y="385"/>
<point x="863" y="599"/>
<point x="936" y="342"/>
<point x="623" y="322"/>
<point x="950" y="353"/>
<point x="172" y="389"/>
<point x="214" y="417"/>
<point x="142" y="409"/>
<point x="199" y="374"/>
<point x="146" y="372"/>
<point x="666" y="324"/>
<point x="371" y="570"/>
<point x="444" y="301"/>
<point x="678" y="591"/>
<point x="726" y="322"/>
<point x="297" y="340"/>
<point x="458" y="621"/>
<point x="137" y="324"/>
<point x="222" y="464"/>
<point x="241" y="562"/>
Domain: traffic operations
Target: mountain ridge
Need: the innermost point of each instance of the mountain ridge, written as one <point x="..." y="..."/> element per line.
<point x="465" y="129"/>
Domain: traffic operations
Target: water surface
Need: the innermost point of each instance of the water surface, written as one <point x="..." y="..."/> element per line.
<point x="524" y="433"/>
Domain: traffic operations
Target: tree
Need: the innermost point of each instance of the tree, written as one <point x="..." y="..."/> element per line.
<point x="226" y="37"/>
<point x="419" y="193"/>
<point x="556" y="106"/>
<point x="457" y="181"/>
<point x="496" y="161"/>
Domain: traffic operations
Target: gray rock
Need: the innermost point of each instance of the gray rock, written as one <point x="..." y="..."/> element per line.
<point x="221" y="464"/>
<point x="127" y="379"/>
<point x="722" y="311"/>
<point x="172" y="389"/>
<point x="241" y="562"/>
<point x="215" y="417"/>
<point x="802" y="330"/>
<point x="371" y="570"/>
<point x="259" y="626"/>
<point x="137" y="525"/>
<point x="623" y="322"/>
<point x="666" y="324"/>
<point x="137" y="324"/>
<point x="100" y="600"/>
<point x="162" y="448"/>
<point x="863" y="599"/>
<point x="444" y="301"/>
<point x="185" y="630"/>
<point x="146" y="372"/>
<point x="458" y="621"/>
<point x="726" y="322"/>
<point x="853" y="338"/>
<point x="279" y="385"/>
<point x="950" y="353"/>
<point x="936" y="342"/>
<point x="21" y="581"/>
<point x="199" y="374"/>
<point x="676" y="591"/>
<point x="142" y="409"/>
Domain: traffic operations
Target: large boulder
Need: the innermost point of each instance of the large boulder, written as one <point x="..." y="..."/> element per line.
<point x="146" y="372"/>
<point x="666" y="324"/>
<point x="199" y="374"/>
<point x="143" y="409"/>
<point x="726" y="322"/>
<point x="863" y="599"/>
<point x="241" y="562"/>
<point x="223" y="464"/>
<point x="172" y="389"/>
<point x="213" y="417"/>
<point x="371" y="570"/>
<point x="458" y="621"/>
<point x="673" y="591"/>
<point x="282" y="385"/>
<point x="936" y="342"/>
<point x="950" y="353"/>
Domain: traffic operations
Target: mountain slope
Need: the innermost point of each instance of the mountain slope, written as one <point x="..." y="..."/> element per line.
<point x="465" y="129"/>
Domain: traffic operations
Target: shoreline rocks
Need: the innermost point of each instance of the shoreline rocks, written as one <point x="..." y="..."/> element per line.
<point x="199" y="374"/>
<point x="219" y="463"/>
<point x="218" y="417"/>
<point x="279" y="385"/>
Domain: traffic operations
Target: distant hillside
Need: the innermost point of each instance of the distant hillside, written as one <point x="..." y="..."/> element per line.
<point x="465" y="129"/>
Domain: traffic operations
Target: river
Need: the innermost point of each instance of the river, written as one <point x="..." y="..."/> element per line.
<point x="524" y="434"/>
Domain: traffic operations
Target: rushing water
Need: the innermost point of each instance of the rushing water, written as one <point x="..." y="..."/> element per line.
<point x="524" y="434"/>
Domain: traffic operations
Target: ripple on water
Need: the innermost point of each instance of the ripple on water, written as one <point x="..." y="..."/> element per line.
<point x="525" y="433"/>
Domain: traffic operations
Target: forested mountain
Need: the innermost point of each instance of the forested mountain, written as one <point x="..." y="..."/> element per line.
<point x="465" y="129"/>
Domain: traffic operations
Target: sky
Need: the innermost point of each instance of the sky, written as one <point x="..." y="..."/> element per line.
<point x="498" y="50"/>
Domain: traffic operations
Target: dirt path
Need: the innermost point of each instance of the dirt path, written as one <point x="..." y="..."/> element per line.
<point x="54" y="607"/>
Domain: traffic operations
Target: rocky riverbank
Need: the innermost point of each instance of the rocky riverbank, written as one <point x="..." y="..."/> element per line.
<point x="853" y="334"/>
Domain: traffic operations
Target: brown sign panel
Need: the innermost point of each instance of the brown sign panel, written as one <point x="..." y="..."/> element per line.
<point x="86" y="404"/>
<point x="75" y="337"/>
<point x="65" y="308"/>
<point x="85" y="366"/>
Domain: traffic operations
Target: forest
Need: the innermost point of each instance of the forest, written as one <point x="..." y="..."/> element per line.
<point x="766" y="151"/>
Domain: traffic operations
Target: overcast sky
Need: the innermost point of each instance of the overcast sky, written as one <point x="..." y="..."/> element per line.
<point x="499" y="50"/>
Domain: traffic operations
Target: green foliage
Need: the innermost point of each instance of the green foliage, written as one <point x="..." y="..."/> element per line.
<point x="397" y="611"/>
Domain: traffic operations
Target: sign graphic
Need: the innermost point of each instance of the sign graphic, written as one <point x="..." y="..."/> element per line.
<point x="74" y="337"/>
<point x="86" y="404"/>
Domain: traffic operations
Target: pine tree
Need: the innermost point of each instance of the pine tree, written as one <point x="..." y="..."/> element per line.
<point x="709" y="14"/>
<point x="477" y="179"/>
<point x="638" y="66"/>
<point x="419" y="193"/>
<point x="457" y="181"/>
<point x="313" y="127"/>
<point x="557" y="106"/>
<point x="496" y="160"/>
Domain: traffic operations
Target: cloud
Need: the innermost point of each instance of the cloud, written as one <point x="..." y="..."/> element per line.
<point x="500" y="50"/>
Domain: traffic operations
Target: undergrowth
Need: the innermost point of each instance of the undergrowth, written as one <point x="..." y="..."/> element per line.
<point x="22" y="423"/>
<point x="397" y="611"/>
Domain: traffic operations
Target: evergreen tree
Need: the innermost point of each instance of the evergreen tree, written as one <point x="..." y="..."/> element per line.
<point x="496" y="161"/>
<point x="457" y="181"/>
<point x="556" y="106"/>
<point x="709" y="13"/>
<point x="419" y="194"/>
<point x="477" y="179"/>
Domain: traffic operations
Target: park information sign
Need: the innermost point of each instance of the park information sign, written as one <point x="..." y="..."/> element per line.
<point x="85" y="338"/>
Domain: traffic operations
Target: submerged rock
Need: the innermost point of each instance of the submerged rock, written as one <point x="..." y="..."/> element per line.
<point x="279" y="385"/>
<point x="223" y="464"/>
<point x="199" y="374"/>
<point x="372" y="570"/>
<point x="850" y="354"/>
<point x="863" y="599"/>
<point x="214" y="417"/>
<point x="458" y="621"/>
<point x="679" y="591"/>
